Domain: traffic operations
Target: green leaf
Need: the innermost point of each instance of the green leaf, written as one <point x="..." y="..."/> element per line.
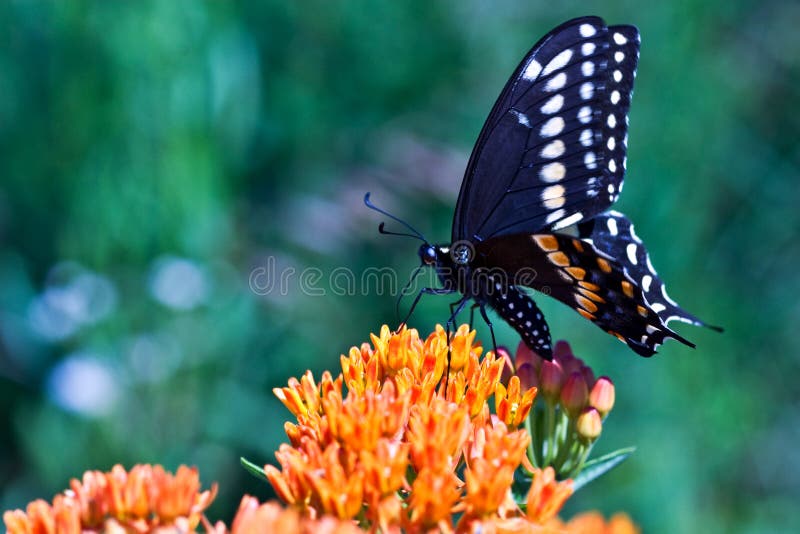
<point x="253" y="469"/>
<point x="521" y="486"/>
<point x="599" y="466"/>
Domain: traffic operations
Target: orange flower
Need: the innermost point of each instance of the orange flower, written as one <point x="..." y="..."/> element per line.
<point x="594" y="523"/>
<point x="141" y="500"/>
<point x="511" y="406"/>
<point x="253" y="518"/>
<point x="547" y="495"/>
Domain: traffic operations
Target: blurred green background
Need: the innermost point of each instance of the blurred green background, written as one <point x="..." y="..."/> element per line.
<point x="154" y="155"/>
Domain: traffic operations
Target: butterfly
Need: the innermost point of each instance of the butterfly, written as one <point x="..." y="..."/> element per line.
<point x="533" y="211"/>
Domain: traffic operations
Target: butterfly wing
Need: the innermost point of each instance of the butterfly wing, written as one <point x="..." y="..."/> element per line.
<point x="552" y="151"/>
<point x="612" y="233"/>
<point x="584" y="278"/>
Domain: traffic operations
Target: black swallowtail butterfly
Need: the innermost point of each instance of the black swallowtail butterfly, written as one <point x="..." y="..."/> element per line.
<point x="533" y="207"/>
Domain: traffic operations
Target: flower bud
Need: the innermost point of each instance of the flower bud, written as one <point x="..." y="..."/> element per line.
<point x="527" y="376"/>
<point x="526" y="355"/>
<point x="602" y="395"/>
<point x="574" y="395"/>
<point x="589" y="424"/>
<point x="551" y="378"/>
<point x="588" y="375"/>
<point x="562" y="350"/>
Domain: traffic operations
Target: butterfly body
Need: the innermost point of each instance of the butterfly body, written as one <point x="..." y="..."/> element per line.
<point x="533" y="210"/>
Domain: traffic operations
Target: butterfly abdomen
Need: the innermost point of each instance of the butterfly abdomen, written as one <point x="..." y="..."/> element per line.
<point x="523" y="315"/>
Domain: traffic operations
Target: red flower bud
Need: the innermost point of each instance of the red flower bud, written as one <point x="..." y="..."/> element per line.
<point x="574" y="394"/>
<point x="551" y="379"/>
<point x="589" y="424"/>
<point x="562" y="350"/>
<point x="602" y="395"/>
<point x="527" y="376"/>
<point x="588" y="375"/>
<point x="526" y="355"/>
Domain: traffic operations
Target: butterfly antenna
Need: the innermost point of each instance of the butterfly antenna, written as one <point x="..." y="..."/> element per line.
<point x="414" y="233"/>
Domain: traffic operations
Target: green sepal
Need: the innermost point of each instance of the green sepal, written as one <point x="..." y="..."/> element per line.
<point x="253" y="469"/>
<point x="599" y="466"/>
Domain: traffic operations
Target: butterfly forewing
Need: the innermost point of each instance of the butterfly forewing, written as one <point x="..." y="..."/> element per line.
<point x="552" y="152"/>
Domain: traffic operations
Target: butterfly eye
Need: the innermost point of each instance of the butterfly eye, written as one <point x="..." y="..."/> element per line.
<point x="427" y="254"/>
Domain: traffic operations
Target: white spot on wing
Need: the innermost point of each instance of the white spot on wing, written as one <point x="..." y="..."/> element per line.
<point x="532" y="70"/>
<point x="553" y="172"/>
<point x="553" y="105"/>
<point x="646" y="281"/>
<point x="587" y="90"/>
<point x="666" y="297"/>
<point x="619" y="56"/>
<point x="558" y="62"/>
<point x="611" y="143"/>
<point x="554" y="216"/>
<point x="631" y="251"/>
<point x="587" y="30"/>
<point x="617" y="76"/>
<point x="612" y="226"/>
<point x="615" y="97"/>
<point x="585" y="114"/>
<point x="590" y="160"/>
<point x="658" y="307"/>
<point x="556" y="82"/>
<point x="572" y="219"/>
<point x="619" y="38"/>
<point x="586" y="137"/>
<point x="552" y="127"/>
<point x="587" y="68"/>
<point x="522" y="118"/>
<point x="612" y="121"/>
<point x="553" y="149"/>
<point x="612" y="165"/>
<point x="587" y="49"/>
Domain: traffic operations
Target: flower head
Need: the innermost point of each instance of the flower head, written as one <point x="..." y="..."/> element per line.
<point x="140" y="500"/>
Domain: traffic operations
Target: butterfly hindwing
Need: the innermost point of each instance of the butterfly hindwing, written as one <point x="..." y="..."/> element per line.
<point x="613" y="234"/>
<point x="552" y="151"/>
<point x="589" y="281"/>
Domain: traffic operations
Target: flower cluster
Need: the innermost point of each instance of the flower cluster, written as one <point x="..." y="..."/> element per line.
<point x="145" y="499"/>
<point x="409" y="448"/>
<point x="414" y="445"/>
<point x="569" y="417"/>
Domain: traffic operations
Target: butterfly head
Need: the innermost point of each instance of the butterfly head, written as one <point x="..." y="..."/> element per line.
<point x="428" y="254"/>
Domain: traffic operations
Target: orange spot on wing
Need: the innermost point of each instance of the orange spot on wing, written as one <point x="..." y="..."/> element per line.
<point x="585" y="314"/>
<point x="546" y="242"/>
<point x="591" y="295"/>
<point x="583" y="302"/>
<point x="558" y="258"/>
<point x="627" y="288"/>
<point x="604" y="265"/>
<point x="576" y="272"/>
<point x="642" y="310"/>
<point x="618" y="336"/>
<point x="578" y="245"/>
<point x="590" y="286"/>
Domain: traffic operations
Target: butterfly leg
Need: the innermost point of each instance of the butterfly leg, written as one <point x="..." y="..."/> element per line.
<point x="426" y="291"/>
<point x="455" y="309"/>
<point x="488" y="323"/>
